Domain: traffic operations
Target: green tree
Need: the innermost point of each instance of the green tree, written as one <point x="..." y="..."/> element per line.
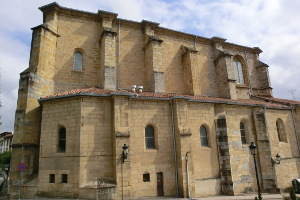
<point x="5" y="158"/>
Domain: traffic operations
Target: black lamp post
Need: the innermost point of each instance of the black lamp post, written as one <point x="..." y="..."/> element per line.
<point x="124" y="152"/>
<point x="253" y="152"/>
<point x="123" y="157"/>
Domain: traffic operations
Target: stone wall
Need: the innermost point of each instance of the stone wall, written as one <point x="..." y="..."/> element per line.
<point x="88" y="153"/>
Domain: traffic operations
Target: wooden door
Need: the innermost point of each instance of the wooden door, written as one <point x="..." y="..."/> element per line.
<point x="160" y="184"/>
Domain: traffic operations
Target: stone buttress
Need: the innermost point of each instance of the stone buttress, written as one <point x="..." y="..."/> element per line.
<point x="34" y="82"/>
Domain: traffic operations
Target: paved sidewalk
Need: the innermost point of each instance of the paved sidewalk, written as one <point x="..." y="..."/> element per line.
<point x="265" y="196"/>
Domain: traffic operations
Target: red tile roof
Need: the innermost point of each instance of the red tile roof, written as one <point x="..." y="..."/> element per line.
<point x="277" y="100"/>
<point x="98" y="91"/>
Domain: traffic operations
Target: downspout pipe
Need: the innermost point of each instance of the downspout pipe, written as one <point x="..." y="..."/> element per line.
<point x="174" y="146"/>
<point x="248" y="74"/>
<point x="295" y="128"/>
<point x="118" y="70"/>
<point x="187" y="174"/>
<point x="274" y="169"/>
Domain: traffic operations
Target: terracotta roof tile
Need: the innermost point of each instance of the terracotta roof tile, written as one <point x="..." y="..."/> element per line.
<point x="277" y="100"/>
<point x="98" y="91"/>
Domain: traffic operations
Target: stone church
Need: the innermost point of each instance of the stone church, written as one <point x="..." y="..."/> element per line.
<point x="110" y="108"/>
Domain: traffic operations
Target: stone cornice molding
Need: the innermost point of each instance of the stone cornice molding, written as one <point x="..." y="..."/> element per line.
<point x="186" y="49"/>
<point x="152" y="39"/>
<point x="150" y="24"/>
<point x="222" y="54"/>
<point x="45" y="27"/>
<point x="107" y="31"/>
<point x="218" y="40"/>
<point x="107" y="15"/>
<point x="261" y="64"/>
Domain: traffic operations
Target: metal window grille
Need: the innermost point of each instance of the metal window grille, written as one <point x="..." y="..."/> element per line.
<point x="64" y="178"/>
<point x="51" y="178"/>
<point x="243" y="133"/>
<point x="203" y="136"/>
<point x="149" y="137"/>
<point x="62" y="140"/>
<point x="77" y="65"/>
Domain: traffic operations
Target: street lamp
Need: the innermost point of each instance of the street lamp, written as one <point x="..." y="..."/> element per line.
<point x="123" y="157"/>
<point x="276" y="160"/>
<point x="253" y="152"/>
<point x="124" y="152"/>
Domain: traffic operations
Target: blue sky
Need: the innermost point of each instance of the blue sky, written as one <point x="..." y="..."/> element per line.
<point x="271" y="25"/>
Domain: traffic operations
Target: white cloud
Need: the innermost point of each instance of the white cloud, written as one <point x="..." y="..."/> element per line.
<point x="270" y="25"/>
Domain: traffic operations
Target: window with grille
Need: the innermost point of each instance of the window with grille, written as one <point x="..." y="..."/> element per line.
<point x="77" y="64"/>
<point x="51" y="178"/>
<point x="203" y="137"/>
<point x="243" y="133"/>
<point x="238" y="72"/>
<point x="64" y="178"/>
<point x="62" y="140"/>
<point x="149" y="137"/>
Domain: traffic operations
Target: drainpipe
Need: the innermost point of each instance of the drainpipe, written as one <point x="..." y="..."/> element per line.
<point x="294" y="124"/>
<point x="174" y="145"/>
<point x="187" y="173"/>
<point x="248" y="73"/>
<point x="274" y="167"/>
<point x="118" y="70"/>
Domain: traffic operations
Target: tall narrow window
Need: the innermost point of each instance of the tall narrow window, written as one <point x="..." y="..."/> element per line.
<point x="77" y="65"/>
<point x="203" y="136"/>
<point x="149" y="137"/>
<point x="243" y="133"/>
<point x="238" y="71"/>
<point x="62" y="140"/>
<point x="280" y="131"/>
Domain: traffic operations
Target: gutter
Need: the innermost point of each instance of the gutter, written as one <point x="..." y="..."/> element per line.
<point x="174" y="148"/>
<point x="268" y="135"/>
<point x="295" y="128"/>
<point x="248" y="73"/>
<point x="119" y="65"/>
<point x="136" y="96"/>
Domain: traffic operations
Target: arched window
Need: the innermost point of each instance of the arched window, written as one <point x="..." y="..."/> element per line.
<point x="77" y="65"/>
<point x="203" y="137"/>
<point x="149" y="137"/>
<point x="238" y="71"/>
<point x="61" y="140"/>
<point x="243" y="133"/>
<point x="280" y="131"/>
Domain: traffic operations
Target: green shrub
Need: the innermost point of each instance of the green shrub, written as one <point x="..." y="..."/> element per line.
<point x="5" y="158"/>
